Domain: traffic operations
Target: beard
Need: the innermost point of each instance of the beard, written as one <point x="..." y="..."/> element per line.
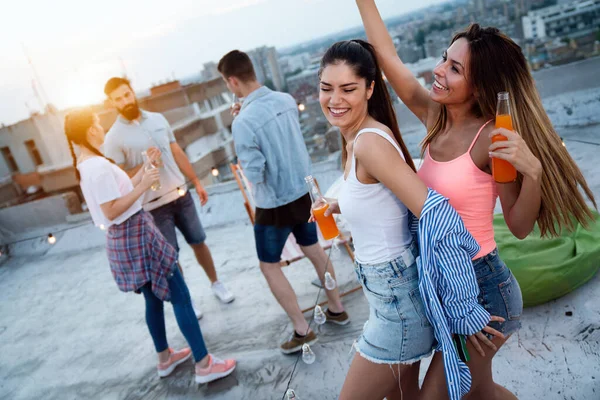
<point x="130" y="111"/>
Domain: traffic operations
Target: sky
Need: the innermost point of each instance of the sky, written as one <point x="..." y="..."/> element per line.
<point x="76" y="46"/>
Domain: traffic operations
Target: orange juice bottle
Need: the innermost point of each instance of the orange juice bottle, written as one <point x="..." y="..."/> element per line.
<point x="327" y="225"/>
<point x="502" y="170"/>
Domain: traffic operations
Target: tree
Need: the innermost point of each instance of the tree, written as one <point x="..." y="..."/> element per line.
<point x="420" y="37"/>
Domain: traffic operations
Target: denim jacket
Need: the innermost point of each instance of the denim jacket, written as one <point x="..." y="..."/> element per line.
<point x="270" y="147"/>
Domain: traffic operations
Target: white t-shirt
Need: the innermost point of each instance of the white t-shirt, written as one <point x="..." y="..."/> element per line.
<point x="101" y="182"/>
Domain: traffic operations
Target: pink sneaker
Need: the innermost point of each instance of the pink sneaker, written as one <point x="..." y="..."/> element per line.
<point x="175" y="358"/>
<point x="216" y="369"/>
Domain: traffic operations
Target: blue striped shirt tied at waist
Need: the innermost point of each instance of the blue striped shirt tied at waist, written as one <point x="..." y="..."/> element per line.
<point x="447" y="284"/>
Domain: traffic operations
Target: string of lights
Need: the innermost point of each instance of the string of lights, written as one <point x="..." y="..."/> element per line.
<point x="318" y="316"/>
<point x="51" y="237"/>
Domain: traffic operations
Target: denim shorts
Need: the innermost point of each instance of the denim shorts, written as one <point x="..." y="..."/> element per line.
<point x="181" y="214"/>
<point x="499" y="292"/>
<point x="271" y="239"/>
<point x="397" y="331"/>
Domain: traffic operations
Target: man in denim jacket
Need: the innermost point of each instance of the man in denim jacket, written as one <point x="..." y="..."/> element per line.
<point x="270" y="147"/>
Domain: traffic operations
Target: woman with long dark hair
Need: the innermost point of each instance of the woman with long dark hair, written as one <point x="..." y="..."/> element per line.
<point x="379" y="192"/>
<point x="140" y="258"/>
<point x="458" y="112"/>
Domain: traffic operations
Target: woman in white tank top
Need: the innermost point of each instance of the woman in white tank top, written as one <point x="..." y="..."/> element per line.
<point x="380" y="186"/>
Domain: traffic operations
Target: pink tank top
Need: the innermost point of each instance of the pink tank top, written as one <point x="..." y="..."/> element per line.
<point x="471" y="192"/>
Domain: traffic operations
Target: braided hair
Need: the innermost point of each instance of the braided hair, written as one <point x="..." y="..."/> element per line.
<point x="77" y="125"/>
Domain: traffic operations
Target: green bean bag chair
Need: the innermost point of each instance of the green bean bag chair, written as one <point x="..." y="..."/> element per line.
<point x="550" y="268"/>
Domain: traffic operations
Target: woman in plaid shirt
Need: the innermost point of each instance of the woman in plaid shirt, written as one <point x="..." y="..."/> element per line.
<point x="140" y="258"/>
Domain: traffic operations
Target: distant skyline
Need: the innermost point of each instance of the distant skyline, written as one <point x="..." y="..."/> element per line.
<point x="76" y="48"/>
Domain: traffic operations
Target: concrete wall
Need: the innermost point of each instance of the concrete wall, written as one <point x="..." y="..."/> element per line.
<point x="14" y="137"/>
<point x="219" y="156"/>
<point x="205" y="90"/>
<point x="9" y="192"/>
<point x="179" y="114"/>
<point x="51" y="128"/>
<point x="50" y="211"/>
<point x="56" y="179"/>
<point x="165" y="101"/>
<point x="189" y="132"/>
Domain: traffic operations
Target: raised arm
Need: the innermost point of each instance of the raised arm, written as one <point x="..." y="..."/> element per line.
<point x="405" y="84"/>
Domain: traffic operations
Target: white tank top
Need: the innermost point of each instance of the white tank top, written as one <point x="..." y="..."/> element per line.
<point x="378" y="219"/>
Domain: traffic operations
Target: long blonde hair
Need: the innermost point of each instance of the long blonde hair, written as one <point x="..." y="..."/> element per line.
<point x="497" y="64"/>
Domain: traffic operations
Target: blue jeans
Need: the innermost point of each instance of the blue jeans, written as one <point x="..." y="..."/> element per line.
<point x="184" y="314"/>
<point x="181" y="214"/>
<point x="499" y="292"/>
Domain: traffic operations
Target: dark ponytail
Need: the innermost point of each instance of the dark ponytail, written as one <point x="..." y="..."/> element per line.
<point x="77" y="124"/>
<point x="74" y="157"/>
<point x="360" y="56"/>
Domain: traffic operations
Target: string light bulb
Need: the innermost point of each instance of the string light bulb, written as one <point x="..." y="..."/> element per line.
<point x="319" y="316"/>
<point x="301" y="107"/>
<point x="215" y="172"/>
<point x="102" y="227"/>
<point x="335" y="247"/>
<point x="307" y="354"/>
<point x="291" y="395"/>
<point x="330" y="283"/>
<point x="181" y="192"/>
<point x="51" y="238"/>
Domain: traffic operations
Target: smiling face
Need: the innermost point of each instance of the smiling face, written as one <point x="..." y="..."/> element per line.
<point x="343" y="95"/>
<point x="451" y="85"/>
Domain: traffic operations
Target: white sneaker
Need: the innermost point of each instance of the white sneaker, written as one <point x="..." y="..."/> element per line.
<point x="222" y="292"/>
<point x="197" y="310"/>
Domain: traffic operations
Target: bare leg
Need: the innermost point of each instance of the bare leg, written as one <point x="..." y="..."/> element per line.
<point x="483" y="385"/>
<point x="370" y="381"/>
<point x="317" y="256"/>
<point x="205" y="259"/>
<point x="409" y="384"/>
<point x="285" y="295"/>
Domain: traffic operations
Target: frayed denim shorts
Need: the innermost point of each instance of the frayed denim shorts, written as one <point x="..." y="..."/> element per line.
<point x="397" y="331"/>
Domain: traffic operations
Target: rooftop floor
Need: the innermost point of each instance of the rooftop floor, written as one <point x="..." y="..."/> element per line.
<point x="66" y="332"/>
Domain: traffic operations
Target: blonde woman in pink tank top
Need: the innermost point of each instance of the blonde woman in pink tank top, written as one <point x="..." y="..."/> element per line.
<point x="458" y="112"/>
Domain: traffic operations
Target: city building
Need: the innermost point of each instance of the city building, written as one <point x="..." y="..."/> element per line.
<point x="423" y="69"/>
<point x="210" y="71"/>
<point x="436" y="43"/>
<point x="304" y="85"/>
<point x="574" y="19"/>
<point x="34" y="153"/>
<point x="266" y="65"/>
<point x="409" y="52"/>
<point x="295" y="63"/>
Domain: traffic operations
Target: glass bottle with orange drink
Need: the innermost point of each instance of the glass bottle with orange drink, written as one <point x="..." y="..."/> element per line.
<point x="502" y="170"/>
<point x="327" y="225"/>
